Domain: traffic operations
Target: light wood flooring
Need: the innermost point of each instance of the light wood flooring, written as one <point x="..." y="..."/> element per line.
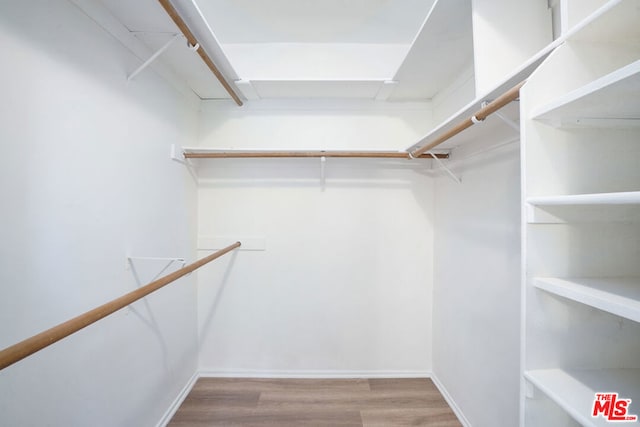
<point x="314" y="402"/>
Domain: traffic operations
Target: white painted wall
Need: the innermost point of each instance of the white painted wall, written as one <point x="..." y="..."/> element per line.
<point x="85" y="179"/>
<point x="319" y="124"/>
<point x="344" y="285"/>
<point x="454" y="97"/>
<point x="476" y="300"/>
<point x="506" y="33"/>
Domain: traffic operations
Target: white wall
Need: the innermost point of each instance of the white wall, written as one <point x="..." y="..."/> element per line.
<point x="506" y="33"/>
<point x="454" y="97"/>
<point x="320" y="124"/>
<point x="85" y="179"/>
<point x="344" y="285"/>
<point x="476" y="316"/>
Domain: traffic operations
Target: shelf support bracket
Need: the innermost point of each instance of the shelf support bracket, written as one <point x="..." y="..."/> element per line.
<point x="443" y="166"/>
<point x="323" y="163"/>
<point x="129" y="265"/>
<point x="511" y="123"/>
<point x="529" y="390"/>
<point x="153" y="57"/>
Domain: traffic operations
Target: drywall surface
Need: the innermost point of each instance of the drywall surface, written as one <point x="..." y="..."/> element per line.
<point x="476" y="298"/>
<point x="455" y="96"/>
<point x="343" y="285"/>
<point x="86" y="179"/>
<point x="506" y="33"/>
<point x="314" y="124"/>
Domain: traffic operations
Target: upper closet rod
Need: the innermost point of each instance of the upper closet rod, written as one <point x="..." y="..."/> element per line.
<point x="279" y="154"/>
<point x="19" y="351"/>
<point x="173" y="13"/>
<point x="507" y="97"/>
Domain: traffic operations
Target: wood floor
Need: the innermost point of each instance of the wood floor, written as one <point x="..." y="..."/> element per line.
<point x="299" y="402"/>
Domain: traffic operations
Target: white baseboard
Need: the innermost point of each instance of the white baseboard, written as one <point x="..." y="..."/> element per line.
<point x="313" y="374"/>
<point x="178" y="401"/>
<point x="454" y="407"/>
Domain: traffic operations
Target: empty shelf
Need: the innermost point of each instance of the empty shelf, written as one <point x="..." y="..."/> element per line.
<point x="574" y="390"/>
<point x="615" y="295"/>
<point x="621" y="198"/>
<point x="613" y="99"/>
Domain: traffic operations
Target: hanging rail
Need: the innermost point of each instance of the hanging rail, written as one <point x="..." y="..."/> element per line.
<point x="484" y="112"/>
<point x="19" y="351"/>
<point x="276" y="154"/>
<point x="177" y="19"/>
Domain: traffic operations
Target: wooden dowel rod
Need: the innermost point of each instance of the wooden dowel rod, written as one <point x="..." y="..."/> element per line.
<point x="276" y="154"/>
<point x="19" y="351"/>
<point x="507" y="97"/>
<point x="177" y="19"/>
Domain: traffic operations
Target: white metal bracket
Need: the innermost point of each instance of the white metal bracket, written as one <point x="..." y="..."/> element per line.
<point x="529" y="390"/>
<point x="176" y="154"/>
<point x="129" y="264"/>
<point x="153" y="57"/>
<point x="446" y="169"/>
<point x="511" y="123"/>
<point x="151" y="258"/>
<point x="476" y="120"/>
<point x="323" y="163"/>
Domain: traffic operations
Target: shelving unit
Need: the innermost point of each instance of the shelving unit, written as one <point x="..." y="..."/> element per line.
<point x="615" y="295"/>
<point x="429" y="64"/>
<point x="574" y="390"/>
<point x="621" y="206"/>
<point x="581" y="220"/>
<point x="621" y="198"/>
<point x="609" y="100"/>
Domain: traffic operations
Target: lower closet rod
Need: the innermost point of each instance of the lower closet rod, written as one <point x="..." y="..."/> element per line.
<point x="19" y="351"/>
<point x="241" y="154"/>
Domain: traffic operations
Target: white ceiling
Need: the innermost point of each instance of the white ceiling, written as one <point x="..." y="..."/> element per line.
<point x="315" y="21"/>
<point x="312" y="48"/>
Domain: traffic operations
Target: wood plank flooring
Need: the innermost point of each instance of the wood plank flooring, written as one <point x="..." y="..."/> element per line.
<point x="314" y="402"/>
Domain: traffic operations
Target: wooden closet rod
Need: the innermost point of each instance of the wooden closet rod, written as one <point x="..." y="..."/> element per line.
<point x="484" y="112"/>
<point x="19" y="351"/>
<point x="173" y="14"/>
<point x="278" y="154"/>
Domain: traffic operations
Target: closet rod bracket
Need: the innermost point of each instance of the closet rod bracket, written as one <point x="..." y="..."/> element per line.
<point x="446" y="169"/>
<point x="323" y="164"/>
<point x="153" y="57"/>
<point x="476" y="120"/>
<point x="509" y="122"/>
<point x="176" y="154"/>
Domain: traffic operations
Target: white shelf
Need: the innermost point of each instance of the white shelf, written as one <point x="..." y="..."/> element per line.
<point x="492" y="124"/>
<point x="621" y="198"/>
<point x="614" y="97"/>
<point x="429" y="63"/>
<point x="574" y="390"/>
<point x="615" y="295"/>
<point x="614" y="22"/>
<point x="599" y="207"/>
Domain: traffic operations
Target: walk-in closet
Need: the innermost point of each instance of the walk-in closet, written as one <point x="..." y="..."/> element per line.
<point x="322" y="213"/>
